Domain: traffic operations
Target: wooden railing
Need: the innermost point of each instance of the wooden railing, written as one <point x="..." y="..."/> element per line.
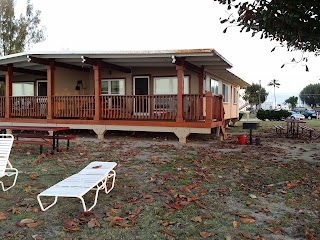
<point x="73" y="107"/>
<point x="2" y="106"/>
<point x="29" y="107"/>
<point x="196" y="107"/>
<point x="193" y="107"/>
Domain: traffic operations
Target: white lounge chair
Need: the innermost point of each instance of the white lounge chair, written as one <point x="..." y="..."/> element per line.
<point x="6" y="169"/>
<point x="95" y="176"/>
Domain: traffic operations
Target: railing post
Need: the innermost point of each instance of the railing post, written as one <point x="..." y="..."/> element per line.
<point x="221" y="108"/>
<point x="201" y="78"/>
<point x="209" y="107"/>
<point x="50" y="88"/>
<point x="97" y="91"/>
<point x="8" y="92"/>
<point x="180" y="74"/>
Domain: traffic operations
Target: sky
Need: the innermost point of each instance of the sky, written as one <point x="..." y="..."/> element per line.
<point x="106" y="25"/>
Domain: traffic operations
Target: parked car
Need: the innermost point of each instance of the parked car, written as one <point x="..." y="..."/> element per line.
<point x="309" y="113"/>
<point x="295" y="115"/>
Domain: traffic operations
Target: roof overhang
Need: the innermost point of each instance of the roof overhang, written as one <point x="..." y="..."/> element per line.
<point x="207" y="59"/>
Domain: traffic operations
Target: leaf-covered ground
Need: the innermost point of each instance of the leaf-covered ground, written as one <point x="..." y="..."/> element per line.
<point x="205" y="189"/>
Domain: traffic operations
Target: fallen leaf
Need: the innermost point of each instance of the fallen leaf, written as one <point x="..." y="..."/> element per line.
<point x="293" y="183"/>
<point x="26" y="221"/>
<point x="167" y="232"/>
<point x="275" y="230"/>
<point x="196" y="219"/>
<point x="98" y="166"/>
<point x="2" y="216"/>
<point x="93" y="223"/>
<point x="165" y="224"/>
<point x="33" y="176"/>
<point x="167" y="215"/>
<point x="205" y="234"/>
<point x="191" y="199"/>
<point x="176" y="206"/>
<point x="87" y="213"/>
<point x="37" y="237"/>
<point x="246" y="218"/>
<point x="34" y="224"/>
<point x="70" y="226"/>
<point x="309" y="236"/>
<point x="235" y="224"/>
<point x="253" y="196"/>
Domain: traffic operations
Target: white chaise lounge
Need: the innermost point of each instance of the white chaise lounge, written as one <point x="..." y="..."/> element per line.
<point x="95" y="176"/>
<point x="6" y="169"/>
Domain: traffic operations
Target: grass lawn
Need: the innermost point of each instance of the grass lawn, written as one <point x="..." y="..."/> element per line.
<point x="205" y="189"/>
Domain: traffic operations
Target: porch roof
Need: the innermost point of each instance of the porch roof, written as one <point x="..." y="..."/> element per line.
<point x="209" y="59"/>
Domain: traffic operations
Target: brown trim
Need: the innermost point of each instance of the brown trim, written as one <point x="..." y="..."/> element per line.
<point x="8" y="92"/>
<point x="24" y="70"/>
<point x="97" y="91"/>
<point x="95" y="61"/>
<point x="50" y="88"/>
<point x="94" y="123"/>
<point x="187" y="65"/>
<point x="180" y="76"/>
<point x="45" y="61"/>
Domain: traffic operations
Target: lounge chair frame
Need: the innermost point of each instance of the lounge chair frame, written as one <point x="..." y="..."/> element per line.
<point x="96" y="176"/>
<point x="6" y="169"/>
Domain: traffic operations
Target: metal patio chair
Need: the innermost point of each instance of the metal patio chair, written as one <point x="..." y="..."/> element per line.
<point x="6" y="169"/>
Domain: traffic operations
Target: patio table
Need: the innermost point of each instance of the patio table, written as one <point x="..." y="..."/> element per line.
<point x="293" y="127"/>
<point x="55" y="131"/>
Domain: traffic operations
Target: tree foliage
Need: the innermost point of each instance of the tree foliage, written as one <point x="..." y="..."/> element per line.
<point x="294" y="23"/>
<point x="252" y="94"/>
<point x="292" y="101"/>
<point x="18" y="33"/>
<point x="311" y="94"/>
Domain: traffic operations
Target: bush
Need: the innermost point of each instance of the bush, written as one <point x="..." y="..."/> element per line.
<point x="272" y="115"/>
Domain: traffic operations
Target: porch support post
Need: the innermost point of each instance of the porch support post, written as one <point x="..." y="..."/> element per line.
<point x="50" y="88"/>
<point x="201" y="77"/>
<point x="180" y="74"/>
<point x="209" y="107"/>
<point x="97" y="91"/>
<point x="8" y="92"/>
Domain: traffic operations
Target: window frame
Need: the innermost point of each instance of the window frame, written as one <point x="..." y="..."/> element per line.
<point x="215" y="93"/>
<point x="235" y="95"/>
<point x="225" y="92"/>
<point x="186" y="79"/>
<point x="110" y="80"/>
<point x="29" y="82"/>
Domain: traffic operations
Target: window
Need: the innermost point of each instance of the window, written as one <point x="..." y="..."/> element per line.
<point x="112" y="87"/>
<point x="235" y="95"/>
<point x="225" y="92"/>
<point x="214" y="85"/>
<point x="23" y="89"/>
<point x="169" y="85"/>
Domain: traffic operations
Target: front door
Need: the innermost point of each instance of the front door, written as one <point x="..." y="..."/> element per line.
<point x="141" y="92"/>
<point x="42" y="89"/>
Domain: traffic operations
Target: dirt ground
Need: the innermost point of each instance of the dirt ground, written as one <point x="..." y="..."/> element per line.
<point x="205" y="189"/>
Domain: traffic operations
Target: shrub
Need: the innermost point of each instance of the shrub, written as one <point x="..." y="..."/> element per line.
<point x="272" y="115"/>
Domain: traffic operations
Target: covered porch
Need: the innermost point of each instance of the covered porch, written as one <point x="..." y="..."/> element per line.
<point x="164" y="91"/>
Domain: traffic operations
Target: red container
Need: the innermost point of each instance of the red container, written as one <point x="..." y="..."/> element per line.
<point x="242" y="139"/>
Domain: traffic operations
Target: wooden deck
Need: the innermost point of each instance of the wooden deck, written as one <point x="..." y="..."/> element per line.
<point x="196" y="108"/>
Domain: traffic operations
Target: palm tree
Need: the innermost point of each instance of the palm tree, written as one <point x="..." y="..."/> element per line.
<point x="275" y="84"/>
